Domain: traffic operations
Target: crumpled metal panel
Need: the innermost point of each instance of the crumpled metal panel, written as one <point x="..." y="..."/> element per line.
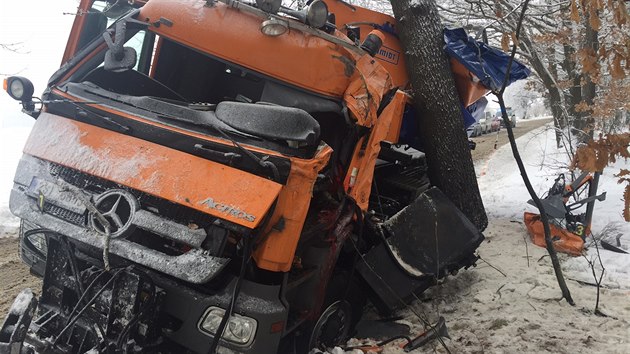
<point x="431" y="236"/>
<point x="427" y="240"/>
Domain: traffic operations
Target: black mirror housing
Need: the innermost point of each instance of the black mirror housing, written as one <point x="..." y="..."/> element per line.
<point x="125" y="62"/>
<point x="117" y="57"/>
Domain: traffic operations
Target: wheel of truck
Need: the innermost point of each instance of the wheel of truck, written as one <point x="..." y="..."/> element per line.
<point x="342" y="310"/>
<point x="333" y="326"/>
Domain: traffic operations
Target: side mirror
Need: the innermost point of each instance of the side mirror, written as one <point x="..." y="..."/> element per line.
<point x="20" y="89"/>
<point x="117" y="57"/>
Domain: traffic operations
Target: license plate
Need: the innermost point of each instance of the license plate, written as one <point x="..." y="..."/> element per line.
<point x="48" y="192"/>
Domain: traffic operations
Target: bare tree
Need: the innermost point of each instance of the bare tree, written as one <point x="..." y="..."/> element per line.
<point x="12" y="47"/>
<point x="545" y="220"/>
<point x="17" y="47"/>
<point x="594" y="263"/>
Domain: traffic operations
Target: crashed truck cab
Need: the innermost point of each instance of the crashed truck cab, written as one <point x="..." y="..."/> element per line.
<point x="202" y="158"/>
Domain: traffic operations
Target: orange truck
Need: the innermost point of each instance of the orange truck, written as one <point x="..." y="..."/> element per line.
<point x="224" y="176"/>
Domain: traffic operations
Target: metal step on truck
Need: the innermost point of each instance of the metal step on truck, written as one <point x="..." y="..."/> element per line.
<point x="224" y="176"/>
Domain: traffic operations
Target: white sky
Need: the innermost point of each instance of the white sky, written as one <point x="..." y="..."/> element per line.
<point x="43" y="29"/>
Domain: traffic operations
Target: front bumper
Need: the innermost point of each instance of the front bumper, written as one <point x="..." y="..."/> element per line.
<point x="257" y="301"/>
<point x="180" y="311"/>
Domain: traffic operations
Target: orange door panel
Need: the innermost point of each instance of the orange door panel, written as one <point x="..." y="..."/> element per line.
<point x="277" y="250"/>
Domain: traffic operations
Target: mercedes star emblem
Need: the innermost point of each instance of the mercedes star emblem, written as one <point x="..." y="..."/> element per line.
<point x="118" y="207"/>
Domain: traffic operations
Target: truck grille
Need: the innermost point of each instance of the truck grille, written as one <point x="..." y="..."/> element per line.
<point x="163" y="240"/>
<point x="150" y="231"/>
<point x="172" y="211"/>
<point x="67" y="215"/>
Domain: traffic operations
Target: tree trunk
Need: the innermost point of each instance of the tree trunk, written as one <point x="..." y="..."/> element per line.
<point x="555" y="95"/>
<point x="574" y="95"/>
<point x="559" y="123"/>
<point x="585" y="122"/>
<point x="555" y="100"/>
<point x="438" y="109"/>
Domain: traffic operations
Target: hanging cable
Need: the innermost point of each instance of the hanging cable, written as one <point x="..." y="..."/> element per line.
<point x="88" y="304"/>
<point x="149" y="302"/>
<point x="72" y="260"/>
<point x="65" y="186"/>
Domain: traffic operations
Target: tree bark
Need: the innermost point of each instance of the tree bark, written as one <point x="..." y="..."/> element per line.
<point x="585" y="123"/>
<point x="574" y="95"/>
<point x="438" y="109"/>
<point x="555" y="95"/>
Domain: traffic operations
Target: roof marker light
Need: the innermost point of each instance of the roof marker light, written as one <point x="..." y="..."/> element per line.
<point x="274" y="27"/>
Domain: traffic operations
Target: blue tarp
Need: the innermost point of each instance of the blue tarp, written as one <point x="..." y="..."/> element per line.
<point x="469" y="119"/>
<point x="487" y="63"/>
<point x="474" y="112"/>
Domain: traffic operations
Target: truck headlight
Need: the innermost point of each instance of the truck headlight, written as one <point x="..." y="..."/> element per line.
<point x="39" y="242"/>
<point x="33" y="240"/>
<point x="239" y="330"/>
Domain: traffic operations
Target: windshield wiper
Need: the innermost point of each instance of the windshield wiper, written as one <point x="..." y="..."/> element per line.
<point x="82" y="112"/>
<point x="143" y="104"/>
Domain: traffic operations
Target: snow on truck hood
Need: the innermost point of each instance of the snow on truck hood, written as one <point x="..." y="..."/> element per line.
<point x="207" y="186"/>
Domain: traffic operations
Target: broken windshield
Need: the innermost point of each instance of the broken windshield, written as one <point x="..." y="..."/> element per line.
<point x="185" y="86"/>
<point x="169" y="70"/>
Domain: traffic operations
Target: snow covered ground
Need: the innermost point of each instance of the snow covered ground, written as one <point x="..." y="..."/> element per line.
<point x="505" y="197"/>
<point x="511" y="301"/>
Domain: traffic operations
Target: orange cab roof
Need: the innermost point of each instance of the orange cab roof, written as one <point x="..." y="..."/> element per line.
<point x="391" y="54"/>
<point x="298" y="58"/>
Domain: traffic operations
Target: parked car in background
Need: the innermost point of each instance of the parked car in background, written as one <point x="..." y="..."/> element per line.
<point x="483" y="126"/>
<point x="510" y="114"/>
<point x="474" y="130"/>
<point x="496" y="124"/>
<point x="485" y="123"/>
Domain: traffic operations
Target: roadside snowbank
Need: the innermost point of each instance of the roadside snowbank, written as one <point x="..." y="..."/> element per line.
<point x="505" y="196"/>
